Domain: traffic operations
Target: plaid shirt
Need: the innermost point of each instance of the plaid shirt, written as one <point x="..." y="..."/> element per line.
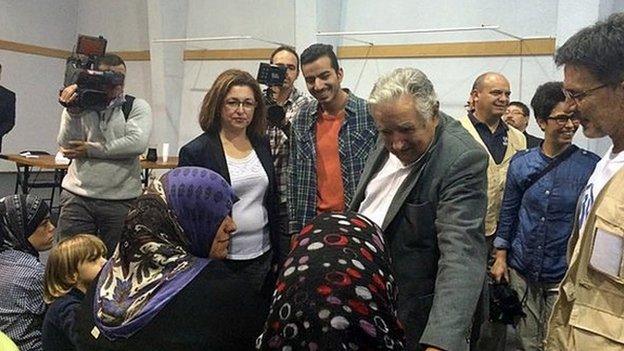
<point x="356" y="139"/>
<point x="280" y="146"/>
<point x="21" y="298"/>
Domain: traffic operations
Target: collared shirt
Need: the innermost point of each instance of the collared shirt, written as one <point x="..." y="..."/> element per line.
<point x="382" y="188"/>
<point x="535" y="223"/>
<point x="356" y="139"/>
<point x="496" y="142"/>
<point x="21" y="298"/>
<point x="280" y="146"/>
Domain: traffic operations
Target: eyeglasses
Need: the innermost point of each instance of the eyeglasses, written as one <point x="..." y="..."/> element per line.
<point x="562" y="120"/>
<point x="578" y="96"/>
<point x="247" y="105"/>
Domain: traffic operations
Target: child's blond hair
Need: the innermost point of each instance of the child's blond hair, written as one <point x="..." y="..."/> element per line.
<point x="62" y="267"/>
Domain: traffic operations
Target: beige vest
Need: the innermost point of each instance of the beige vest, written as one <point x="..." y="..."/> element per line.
<point x="496" y="173"/>
<point x="589" y="313"/>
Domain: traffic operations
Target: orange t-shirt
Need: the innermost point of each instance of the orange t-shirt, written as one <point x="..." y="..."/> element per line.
<point x="329" y="189"/>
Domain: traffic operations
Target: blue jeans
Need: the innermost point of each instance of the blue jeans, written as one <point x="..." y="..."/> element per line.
<point x="84" y="215"/>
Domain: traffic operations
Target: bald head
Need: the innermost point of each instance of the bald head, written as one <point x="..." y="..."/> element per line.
<point x="478" y="83"/>
<point x="490" y="96"/>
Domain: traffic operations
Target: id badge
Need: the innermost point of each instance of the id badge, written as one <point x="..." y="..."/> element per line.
<point x="606" y="256"/>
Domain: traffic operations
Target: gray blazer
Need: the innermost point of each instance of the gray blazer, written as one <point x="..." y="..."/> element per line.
<point x="435" y="234"/>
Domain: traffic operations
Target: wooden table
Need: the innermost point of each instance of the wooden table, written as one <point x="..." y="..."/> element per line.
<point x="172" y="162"/>
<point x="49" y="162"/>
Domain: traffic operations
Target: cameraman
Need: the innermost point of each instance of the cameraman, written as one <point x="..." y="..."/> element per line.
<point x="278" y="131"/>
<point x="104" y="146"/>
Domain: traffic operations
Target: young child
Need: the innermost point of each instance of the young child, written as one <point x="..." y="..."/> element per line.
<point x="71" y="267"/>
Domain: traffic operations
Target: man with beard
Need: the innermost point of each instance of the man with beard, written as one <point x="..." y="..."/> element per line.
<point x="589" y="313"/>
<point x="330" y="141"/>
<point x="104" y="176"/>
<point x="291" y="100"/>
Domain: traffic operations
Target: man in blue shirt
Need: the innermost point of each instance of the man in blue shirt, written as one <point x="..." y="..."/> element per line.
<point x="537" y="214"/>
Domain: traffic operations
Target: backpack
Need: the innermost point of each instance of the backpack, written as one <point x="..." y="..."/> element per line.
<point x="127" y="106"/>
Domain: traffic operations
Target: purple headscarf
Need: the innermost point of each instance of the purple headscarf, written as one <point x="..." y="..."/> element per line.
<point x="165" y="244"/>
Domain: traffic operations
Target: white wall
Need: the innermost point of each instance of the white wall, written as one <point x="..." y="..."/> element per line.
<point x="272" y="20"/>
<point x="35" y="79"/>
<point x="124" y="25"/>
<point x="49" y="23"/>
<point x="452" y="77"/>
<point x="179" y="86"/>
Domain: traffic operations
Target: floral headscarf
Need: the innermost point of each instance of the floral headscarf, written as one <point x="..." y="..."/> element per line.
<point x="165" y="244"/>
<point x="20" y="215"/>
<point x="336" y="290"/>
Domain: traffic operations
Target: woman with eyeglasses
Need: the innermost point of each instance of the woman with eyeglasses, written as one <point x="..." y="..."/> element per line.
<point x="233" y="117"/>
<point x="537" y="214"/>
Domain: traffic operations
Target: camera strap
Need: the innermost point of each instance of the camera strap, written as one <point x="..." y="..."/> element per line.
<point x="553" y="163"/>
<point x="126" y="107"/>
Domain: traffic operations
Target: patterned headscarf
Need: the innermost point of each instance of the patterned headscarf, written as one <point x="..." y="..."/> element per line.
<point x="20" y="215"/>
<point x="336" y="290"/>
<point x="165" y="244"/>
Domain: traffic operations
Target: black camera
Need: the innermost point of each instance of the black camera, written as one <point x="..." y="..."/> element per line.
<point x="272" y="75"/>
<point x="93" y="85"/>
<point x="505" y="305"/>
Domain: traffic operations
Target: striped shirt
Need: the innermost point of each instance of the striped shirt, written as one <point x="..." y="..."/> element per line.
<point x="21" y="298"/>
<point x="356" y="139"/>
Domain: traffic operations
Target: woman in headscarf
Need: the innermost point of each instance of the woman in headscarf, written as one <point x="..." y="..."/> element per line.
<point x="25" y="229"/>
<point x="336" y="290"/>
<point x="165" y="287"/>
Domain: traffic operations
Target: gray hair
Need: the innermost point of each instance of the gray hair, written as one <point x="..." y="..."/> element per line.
<point x="406" y="81"/>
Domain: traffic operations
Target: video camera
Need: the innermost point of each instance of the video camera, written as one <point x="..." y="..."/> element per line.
<point x="272" y="75"/>
<point x="81" y="69"/>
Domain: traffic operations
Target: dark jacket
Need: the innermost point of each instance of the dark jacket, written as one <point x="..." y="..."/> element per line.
<point x="59" y="326"/>
<point x="215" y="311"/>
<point x="207" y="151"/>
<point x="435" y="234"/>
<point x="7" y="112"/>
<point x="532" y="141"/>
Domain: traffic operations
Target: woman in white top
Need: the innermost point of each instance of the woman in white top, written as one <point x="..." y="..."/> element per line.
<point x="233" y="117"/>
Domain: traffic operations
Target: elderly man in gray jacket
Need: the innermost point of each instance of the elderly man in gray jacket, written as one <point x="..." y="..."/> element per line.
<point x="425" y="186"/>
<point x="105" y="173"/>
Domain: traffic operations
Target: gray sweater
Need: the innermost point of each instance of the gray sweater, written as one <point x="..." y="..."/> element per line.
<point x="111" y="170"/>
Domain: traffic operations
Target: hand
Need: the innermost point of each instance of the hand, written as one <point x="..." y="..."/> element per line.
<point x="68" y="95"/>
<point x="77" y="149"/>
<point x="499" y="269"/>
<point x="275" y="91"/>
